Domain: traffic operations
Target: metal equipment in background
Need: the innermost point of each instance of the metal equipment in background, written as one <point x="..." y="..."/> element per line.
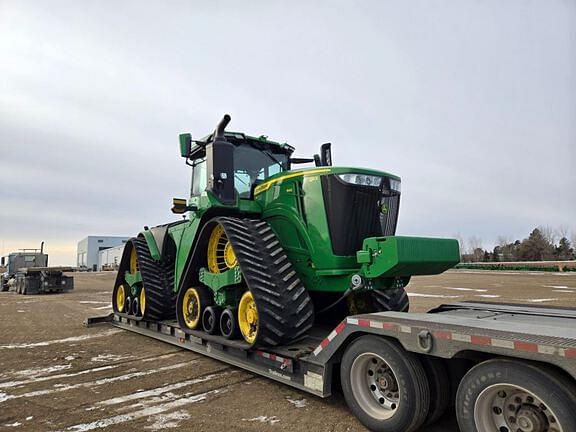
<point x="27" y="272"/>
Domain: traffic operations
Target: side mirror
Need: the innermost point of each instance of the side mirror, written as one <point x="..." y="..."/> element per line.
<point x="326" y="154"/>
<point x="185" y="145"/>
<point x="180" y="206"/>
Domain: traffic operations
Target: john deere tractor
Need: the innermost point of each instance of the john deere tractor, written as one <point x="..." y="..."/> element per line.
<point x="268" y="250"/>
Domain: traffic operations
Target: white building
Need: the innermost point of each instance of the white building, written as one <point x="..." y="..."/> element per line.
<point x="109" y="259"/>
<point x="91" y="246"/>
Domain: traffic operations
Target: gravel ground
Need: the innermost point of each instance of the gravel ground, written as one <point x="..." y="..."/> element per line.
<point x="57" y="375"/>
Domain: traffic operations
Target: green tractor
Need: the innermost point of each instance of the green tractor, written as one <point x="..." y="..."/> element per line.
<point x="268" y="250"/>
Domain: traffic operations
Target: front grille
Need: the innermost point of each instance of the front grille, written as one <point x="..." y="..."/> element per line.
<point x="354" y="213"/>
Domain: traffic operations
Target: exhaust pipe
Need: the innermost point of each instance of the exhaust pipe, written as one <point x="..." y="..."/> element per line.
<point x="219" y="132"/>
<point x="42" y="247"/>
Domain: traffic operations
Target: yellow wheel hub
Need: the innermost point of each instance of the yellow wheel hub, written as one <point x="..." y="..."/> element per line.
<point x="120" y="298"/>
<point x="133" y="261"/>
<point x="221" y="256"/>
<point x="191" y="308"/>
<point x="142" y="301"/>
<point x="248" y="317"/>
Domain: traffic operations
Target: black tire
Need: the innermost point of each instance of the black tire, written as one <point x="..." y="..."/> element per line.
<point x="229" y="324"/>
<point x="391" y="300"/>
<point x="206" y="299"/>
<point x="211" y="319"/>
<point x="284" y="306"/>
<point x="439" y="384"/>
<point x="128" y="305"/>
<point x="136" y="307"/>
<point x="547" y="386"/>
<point x="410" y="411"/>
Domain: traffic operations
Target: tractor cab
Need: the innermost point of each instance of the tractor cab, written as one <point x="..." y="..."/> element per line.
<point x="231" y="164"/>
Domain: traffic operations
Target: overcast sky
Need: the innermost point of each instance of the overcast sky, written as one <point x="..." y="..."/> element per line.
<point x="472" y="103"/>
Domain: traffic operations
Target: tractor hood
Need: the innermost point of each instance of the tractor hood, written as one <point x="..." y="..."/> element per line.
<point x="358" y="176"/>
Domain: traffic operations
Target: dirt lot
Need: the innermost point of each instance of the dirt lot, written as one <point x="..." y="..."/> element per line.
<point x="56" y="375"/>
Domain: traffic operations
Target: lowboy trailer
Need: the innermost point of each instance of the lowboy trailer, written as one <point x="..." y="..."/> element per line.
<point x="505" y="367"/>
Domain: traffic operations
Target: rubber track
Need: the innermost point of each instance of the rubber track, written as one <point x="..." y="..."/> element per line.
<point x="158" y="280"/>
<point x="285" y="309"/>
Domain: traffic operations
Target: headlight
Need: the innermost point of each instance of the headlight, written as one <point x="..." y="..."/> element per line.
<point x="361" y="179"/>
<point x="395" y="185"/>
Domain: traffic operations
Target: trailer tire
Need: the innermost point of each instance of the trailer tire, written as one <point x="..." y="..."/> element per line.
<point x="401" y="400"/>
<point x="440" y="391"/>
<point x="502" y="392"/>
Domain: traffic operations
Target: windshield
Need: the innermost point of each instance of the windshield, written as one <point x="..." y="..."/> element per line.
<point x="252" y="165"/>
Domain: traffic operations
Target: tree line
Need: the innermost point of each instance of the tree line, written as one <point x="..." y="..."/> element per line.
<point x="543" y="244"/>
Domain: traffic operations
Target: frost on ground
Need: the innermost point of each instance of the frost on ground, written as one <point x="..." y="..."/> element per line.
<point x="298" y="403"/>
<point x="37" y="372"/>
<point x="465" y="289"/>
<point x="61" y="341"/>
<point x="110" y="357"/>
<point x="167" y="421"/>
<point x="263" y="419"/>
<point x="411" y="294"/>
<point x="542" y="300"/>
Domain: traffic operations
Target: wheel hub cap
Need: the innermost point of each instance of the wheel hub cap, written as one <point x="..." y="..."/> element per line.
<point x="504" y="407"/>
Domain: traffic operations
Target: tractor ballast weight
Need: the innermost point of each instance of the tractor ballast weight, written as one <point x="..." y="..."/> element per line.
<point x="268" y="250"/>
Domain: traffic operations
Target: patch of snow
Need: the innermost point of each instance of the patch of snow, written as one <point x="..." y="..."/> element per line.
<point x="543" y="300"/>
<point x="565" y="291"/>
<point x="159" y="390"/>
<point x="69" y="358"/>
<point x="167" y="421"/>
<point x="29" y="418"/>
<point x="52" y="377"/>
<point x="58" y="387"/>
<point x="21" y="311"/>
<point x="466" y="289"/>
<point x="15" y="424"/>
<point x="93" y="301"/>
<point x="410" y="294"/>
<point x="110" y="357"/>
<point x="146" y="412"/>
<point x="555" y="286"/>
<point x="298" y="403"/>
<point x="263" y="419"/>
<point x="38" y="372"/>
<point x="103" y="307"/>
<point x="487" y="295"/>
<point x="61" y="341"/>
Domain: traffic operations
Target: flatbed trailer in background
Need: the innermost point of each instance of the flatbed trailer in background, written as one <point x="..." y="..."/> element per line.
<point x="506" y="367"/>
<point x="42" y="280"/>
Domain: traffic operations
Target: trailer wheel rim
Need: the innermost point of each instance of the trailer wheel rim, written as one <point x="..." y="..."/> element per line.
<point x="191" y="308"/>
<point x="120" y="298"/>
<point x="142" y="301"/>
<point x="248" y="317"/>
<point x="221" y="256"/>
<point x="375" y="386"/>
<point x="507" y="407"/>
<point x="133" y="261"/>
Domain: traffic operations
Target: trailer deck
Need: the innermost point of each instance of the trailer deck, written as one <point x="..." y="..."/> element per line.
<point x="459" y="330"/>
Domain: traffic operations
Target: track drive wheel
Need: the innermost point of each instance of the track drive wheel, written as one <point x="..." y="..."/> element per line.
<point x="248" y="317"/>
<point x="119" y="298"/>
<point x="190" y="305"/>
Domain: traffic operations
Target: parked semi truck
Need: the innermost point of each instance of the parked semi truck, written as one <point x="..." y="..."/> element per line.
<point x="27" y="272"/>
<point x="298" y="275"/>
